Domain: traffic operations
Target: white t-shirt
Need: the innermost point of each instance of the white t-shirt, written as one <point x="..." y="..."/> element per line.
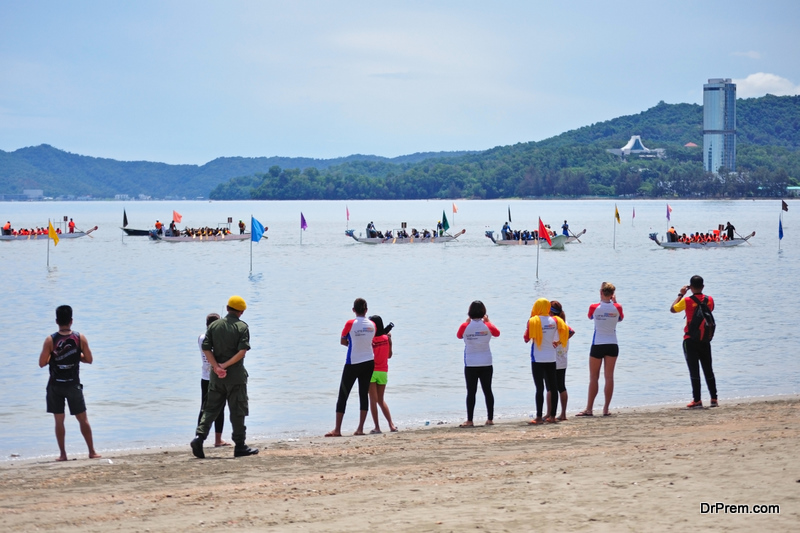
<point x="477" y="334"/>
<point x="359" y="333"/>
<point x="605" y="316"/>
<point x="561" y="355"/>
<point x="545" y="353"/>
<point x="205" y="372"/>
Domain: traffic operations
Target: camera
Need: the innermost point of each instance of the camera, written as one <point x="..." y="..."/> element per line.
<point x="388" y="327"/>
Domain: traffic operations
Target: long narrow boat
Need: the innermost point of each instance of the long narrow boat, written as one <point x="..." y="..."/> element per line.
<point x="558" y="241"/>
<point x="131" y="232"/>
<point x="713" y="244"/>
<point x="201" y="238"/>
<point x="405" y="240"/>
<point x="44" y="236"/>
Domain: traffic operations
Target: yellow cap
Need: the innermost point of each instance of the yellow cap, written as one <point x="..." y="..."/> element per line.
<point x="237" y="302"/>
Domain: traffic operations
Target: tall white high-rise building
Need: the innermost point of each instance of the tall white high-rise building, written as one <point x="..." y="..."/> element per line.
<point x="719" y="125"/>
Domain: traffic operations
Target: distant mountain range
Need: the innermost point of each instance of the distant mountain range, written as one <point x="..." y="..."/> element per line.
<point x="769" y="121"/>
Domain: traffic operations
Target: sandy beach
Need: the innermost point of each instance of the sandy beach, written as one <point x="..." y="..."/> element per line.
<point x="638" y="470"/>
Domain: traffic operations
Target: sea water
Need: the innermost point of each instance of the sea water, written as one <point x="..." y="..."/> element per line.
<point x="142" y="305"/>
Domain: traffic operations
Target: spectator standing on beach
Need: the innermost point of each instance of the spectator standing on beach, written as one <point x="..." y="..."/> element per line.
<point x="63" y="352"/>
<point x="696" y="351"/>
<point x="546" y="332"/>
<point x="225" y="346"/>
<point x="605" y="349"/>
<point x="205" y="377"/>
<point x="477" y="331"/>
<point x="561" y="363"/>
<point x="357" y="335"/>
<point x="382" y="351"/>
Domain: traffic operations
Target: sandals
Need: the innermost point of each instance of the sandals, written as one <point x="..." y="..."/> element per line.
<point x="585" y="413"/>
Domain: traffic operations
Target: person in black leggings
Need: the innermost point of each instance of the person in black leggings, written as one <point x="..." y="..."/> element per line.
<point x="477" y="331"/>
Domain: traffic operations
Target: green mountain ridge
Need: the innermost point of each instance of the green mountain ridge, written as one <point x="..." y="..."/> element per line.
<point x="571" y="164"/>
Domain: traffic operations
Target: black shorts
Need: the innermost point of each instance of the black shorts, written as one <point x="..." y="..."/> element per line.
<point x="599" y="351"/>
<point x="57" y="393"/>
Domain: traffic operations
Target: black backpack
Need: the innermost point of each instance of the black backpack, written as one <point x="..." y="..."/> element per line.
<point x="702" y="316"/>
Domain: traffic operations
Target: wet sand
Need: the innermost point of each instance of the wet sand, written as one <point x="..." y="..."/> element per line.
<point x="639" y="470"/>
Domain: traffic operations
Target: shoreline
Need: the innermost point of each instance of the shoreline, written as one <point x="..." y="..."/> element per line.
<point x="652" y="466"/>
<point x="299" y="438"/>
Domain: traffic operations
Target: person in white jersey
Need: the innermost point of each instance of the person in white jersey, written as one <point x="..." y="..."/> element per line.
<point x="477" y="331"/>
<point x="561" y="363"/>
<point x="357" y="335"/>
<point x="605" y="349"/>
<point x="205" y="377"/>
<point x="547" y="333"/>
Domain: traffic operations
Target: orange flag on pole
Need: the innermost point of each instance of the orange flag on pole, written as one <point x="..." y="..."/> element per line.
<point x="543" y="231"/>
<point x="176" y="217"/>
<point x="455" y="209"/>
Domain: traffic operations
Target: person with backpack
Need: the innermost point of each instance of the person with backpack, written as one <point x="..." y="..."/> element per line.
<point x="697" y="335"/>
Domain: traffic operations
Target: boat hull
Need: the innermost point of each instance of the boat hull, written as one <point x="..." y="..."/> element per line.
<point x="61" y="236"/>
<point x="136" y="232"/>
<point x="202" y="238"/>
<point x="405" y="240"/>
<point x="558" y="242"/>
<point x="683" y="245"/>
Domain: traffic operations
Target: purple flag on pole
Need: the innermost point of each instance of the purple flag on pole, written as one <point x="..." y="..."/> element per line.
<point x="303" y="224"/>
<point x="669" y="210"/>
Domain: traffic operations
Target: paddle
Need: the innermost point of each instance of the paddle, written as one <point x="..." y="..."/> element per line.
<point x="576" y="237"/>
<point x="745" y="240"/>
<point x="87" y="234"/>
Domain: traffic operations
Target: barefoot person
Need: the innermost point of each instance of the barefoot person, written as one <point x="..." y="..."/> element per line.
<point x="357" y="335"/>
<point x="382" y="350"/>
<point x="225" y="346"/>
<point x="547" y="333"/>
<point x="604" y="349"/>
<point x="477" y="331"/>
<point x="561" y="363"/>
<point x="64" y="351"/>
<point x="205" y="377"/>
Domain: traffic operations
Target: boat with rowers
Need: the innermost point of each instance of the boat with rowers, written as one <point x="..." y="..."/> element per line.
<point x="404" y="236"/>
<point x="526" y="238"/>
<point x="701" y="242"/>
<point x="40" y="235"/>
<point x="201" y="235"/>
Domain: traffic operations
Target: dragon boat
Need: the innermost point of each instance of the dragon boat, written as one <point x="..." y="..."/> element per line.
<point x="200" y="238"/>
<point x="405" y="240"/>
<point x="558" y="241"/>
<point x="711" y="244"/>
<point x="44" y="236"/>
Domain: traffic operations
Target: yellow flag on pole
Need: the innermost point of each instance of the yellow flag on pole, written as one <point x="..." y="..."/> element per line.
<point x="51" y="232"/>
<point x="616" y="214"/>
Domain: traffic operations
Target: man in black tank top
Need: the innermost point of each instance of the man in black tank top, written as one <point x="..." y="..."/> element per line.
<point x="63" y="352"/>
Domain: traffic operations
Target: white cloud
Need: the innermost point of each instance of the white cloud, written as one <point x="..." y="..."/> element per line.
<point x="761" y="83"/>
<point x="752" y="54"/>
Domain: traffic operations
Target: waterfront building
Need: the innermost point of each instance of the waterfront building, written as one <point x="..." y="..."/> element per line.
<point x="635" y="147"/>
<point x="719" y="125"/>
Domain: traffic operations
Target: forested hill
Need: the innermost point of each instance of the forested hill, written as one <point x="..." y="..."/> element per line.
<point x="571" y="164"/>
<point x="60" y="173"/>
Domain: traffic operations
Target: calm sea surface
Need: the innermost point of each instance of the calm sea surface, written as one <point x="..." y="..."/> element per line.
<point x="142" y="305"/>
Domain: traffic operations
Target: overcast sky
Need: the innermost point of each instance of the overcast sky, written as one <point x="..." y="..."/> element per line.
<point x="189" y="81"/>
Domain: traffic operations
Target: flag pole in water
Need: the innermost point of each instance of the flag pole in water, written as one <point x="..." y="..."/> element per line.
<point x="256" y="232"/>
<point x="303" y="226"/>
